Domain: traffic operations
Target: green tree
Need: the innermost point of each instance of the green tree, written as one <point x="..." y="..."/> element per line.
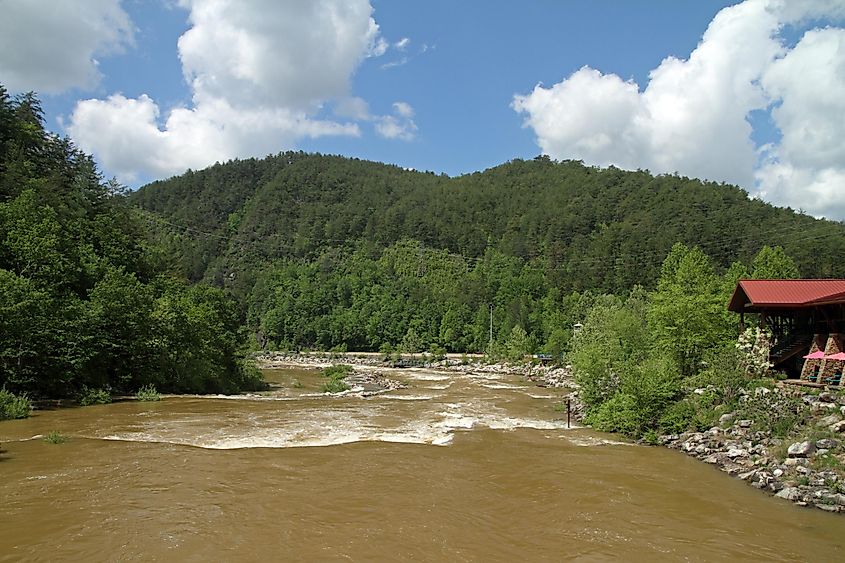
<point x="773" y="263"/>
<point x="687" y="314"/>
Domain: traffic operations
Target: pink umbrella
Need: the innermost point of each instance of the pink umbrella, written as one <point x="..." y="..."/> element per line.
<point x="817" y="355"/>
<point x="839" y="356"/>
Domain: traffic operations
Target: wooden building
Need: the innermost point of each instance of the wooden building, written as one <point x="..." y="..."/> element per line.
<point x="805" y="317"/>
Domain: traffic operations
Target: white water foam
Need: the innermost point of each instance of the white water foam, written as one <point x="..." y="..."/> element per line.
<point x="438" y="387"/>
<point x="425" y="376"/>
<point x="503" y="386"/>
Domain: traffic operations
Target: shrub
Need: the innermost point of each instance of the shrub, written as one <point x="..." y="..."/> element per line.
<point x="678" y="417"/>
<point x="753" y="346"/>
<point x="335" y="386"/>
<point x="336" y="374"/>
<point x="337" y="371"/>
<point x="438" y="353"/>
<point x="723" y="371"/>
<point x="53" y="437"/>
<point x="13" y="406"/>
<point x="90" y="396"/>
<point x="773" y="411"/>
<point x="148" y="393"/>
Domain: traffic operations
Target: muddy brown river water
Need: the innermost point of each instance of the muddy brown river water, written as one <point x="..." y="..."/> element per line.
<point x="454" y="468"/>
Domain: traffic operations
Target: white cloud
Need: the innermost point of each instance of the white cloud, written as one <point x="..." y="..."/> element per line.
<point x="693" y="115"/>
<point x="259" y="73"/>
<point x="126" y="136"/>
<point x="398" y="126"/>
<point x="353" y="108"/>
<point x="807" y="168"/>
<point x="403" y="109"/>
<point x="379" y="48"/>
<point x="402" y="44"/>
<point x="52" y="46"/>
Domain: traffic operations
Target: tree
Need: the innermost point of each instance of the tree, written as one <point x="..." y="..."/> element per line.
<point x="687" y="315"/>
<point x="773" y="264"/>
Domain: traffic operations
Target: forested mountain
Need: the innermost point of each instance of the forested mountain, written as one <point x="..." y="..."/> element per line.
<point x="328" y="251"/>
<point x="589" y="228"/>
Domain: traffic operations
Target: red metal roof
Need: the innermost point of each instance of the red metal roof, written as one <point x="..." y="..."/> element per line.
<point x="755" y="294"/>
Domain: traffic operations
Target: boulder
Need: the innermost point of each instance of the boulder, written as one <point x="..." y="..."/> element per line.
<point x="838" y="427"/>
<point x="747" y="475"/>
<point x="829" y="420"/>
<point x="728" y="417"/>
<point x="801" y="449"/>
<point x="789" y="493"/>
<point x="713" y="458"/>
<point x="827" y="444"/>
<point x="794" y="461"/>
<point x="745" y="423"/>
<point x="822" y="406"/>
<point x="736" y="452"/>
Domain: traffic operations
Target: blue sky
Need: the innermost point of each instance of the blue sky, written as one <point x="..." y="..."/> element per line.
<point x="746" y="92"/>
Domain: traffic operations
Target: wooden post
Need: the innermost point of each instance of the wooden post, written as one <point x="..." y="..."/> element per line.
<point x="568" y="410"/>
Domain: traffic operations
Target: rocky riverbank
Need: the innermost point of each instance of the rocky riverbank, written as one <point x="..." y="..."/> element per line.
<point x="807" y="466"/>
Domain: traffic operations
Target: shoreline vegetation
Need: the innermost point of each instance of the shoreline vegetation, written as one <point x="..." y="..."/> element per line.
<point x="782" y="439"/>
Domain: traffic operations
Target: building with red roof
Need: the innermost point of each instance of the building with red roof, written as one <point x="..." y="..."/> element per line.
<point x="805" y="317"/>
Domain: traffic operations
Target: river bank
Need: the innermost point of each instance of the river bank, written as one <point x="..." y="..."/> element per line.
<point x="805" y="466"/>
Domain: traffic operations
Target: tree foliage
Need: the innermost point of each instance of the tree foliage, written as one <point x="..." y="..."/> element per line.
<point x="86" y="300"/>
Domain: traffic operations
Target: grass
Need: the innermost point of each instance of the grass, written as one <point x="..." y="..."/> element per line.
<point x="54" y="437"/>
<point x="826" y="461"/>
<point x="90" y="396"/>
<point x="13" y="406"/>
<point x="148" y="393"/>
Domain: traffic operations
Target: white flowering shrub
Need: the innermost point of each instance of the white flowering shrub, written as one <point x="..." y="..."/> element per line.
<point x="754" y="345"/>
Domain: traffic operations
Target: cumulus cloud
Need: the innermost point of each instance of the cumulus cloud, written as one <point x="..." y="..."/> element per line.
<point x="400" y="125"/>
<point x="62" y="53"/>
<point x="806" y="169"/>
<point x="259" y="73"/>
<point x="126" y="136"/>
<point x="693" y="116"/>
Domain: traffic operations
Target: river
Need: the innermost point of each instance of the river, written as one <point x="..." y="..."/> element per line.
<point x="456" y="467"/>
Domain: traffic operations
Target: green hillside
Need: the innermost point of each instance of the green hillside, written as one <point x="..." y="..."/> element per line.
<point x="326" y="251"/>
<point x="591" y="228"/>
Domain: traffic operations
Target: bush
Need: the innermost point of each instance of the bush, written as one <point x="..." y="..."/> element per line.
<point x="723" y="371"/>
<point x="773" y="411"/>
<point x="148" y="393"/>
<point x="53" y="437"/>
<point x="13" y="406"/>
<point x="678" y="417"/>
<point x="336" y="374"/>
<point x="90" y="396"/>
<point x="335" y="386"/>
<point x="438" y="353"/>
<point x="337" y="371"/>
<point x="645" y="393"/>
